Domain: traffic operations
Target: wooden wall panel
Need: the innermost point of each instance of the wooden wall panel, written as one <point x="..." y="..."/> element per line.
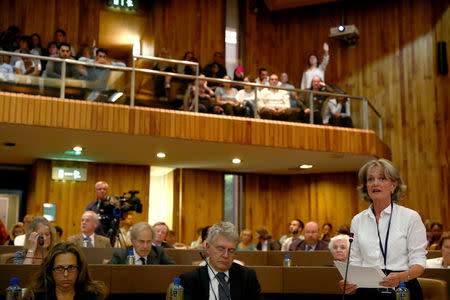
<point x="201" y="201"/>
<point x="394" y="65"/>
<point x="72" y="197"/>
<point x="197" y="26"/>
<point x="273" y="201"/>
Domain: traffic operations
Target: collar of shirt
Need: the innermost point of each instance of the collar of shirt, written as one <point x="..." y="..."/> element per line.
<point x="91" y="237"/>
<point x="214" y="282"/>
<point x="137" y="258"/>
<point x="154" y="244"/>
<point x="310" y="248"/>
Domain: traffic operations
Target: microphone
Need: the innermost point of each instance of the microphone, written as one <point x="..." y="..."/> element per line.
<point x="350" y="239"/>
<point x="203" y="256"/>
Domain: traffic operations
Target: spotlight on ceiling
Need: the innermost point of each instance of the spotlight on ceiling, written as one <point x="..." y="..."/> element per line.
<point x="236" y="161"/>
<point x="305" y="166"/>
<point x="341" y="28"/>
<point x="161" y="155"/>
<point x="77" y="148"/>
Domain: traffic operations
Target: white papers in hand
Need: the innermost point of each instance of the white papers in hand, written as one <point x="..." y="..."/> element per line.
<point x="363" y="277"/>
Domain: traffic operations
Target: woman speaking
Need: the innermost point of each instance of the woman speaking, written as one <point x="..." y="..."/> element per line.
<point x="386" y="234"/>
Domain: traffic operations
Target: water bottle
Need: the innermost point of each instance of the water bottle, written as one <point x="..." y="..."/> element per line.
<point x="85" y="242"/>
<point x="13" y="292"/>
<point x="130" y="257"/>
<point x="176" y="292"/>
<point x="287" y="261"/>
<point x="402" y="292"/>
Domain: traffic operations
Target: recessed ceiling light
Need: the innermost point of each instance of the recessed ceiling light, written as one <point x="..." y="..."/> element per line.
<point x="161" y="155"/>
<point x="236" y="161"/>
<point x="306" y="166"/>
<point x="77" y="149"/>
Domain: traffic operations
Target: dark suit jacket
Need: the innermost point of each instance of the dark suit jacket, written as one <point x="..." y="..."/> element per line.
<point x="301" y="245"/>
<point x="271" y="245"/>
<point x="243" y="283"/>
<point x="157" y="256"/>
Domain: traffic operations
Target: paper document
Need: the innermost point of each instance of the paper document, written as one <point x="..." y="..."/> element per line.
<point x="363" y="277"/>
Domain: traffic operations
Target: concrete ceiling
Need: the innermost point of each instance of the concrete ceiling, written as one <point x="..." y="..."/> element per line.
<point x="33" y="142"/>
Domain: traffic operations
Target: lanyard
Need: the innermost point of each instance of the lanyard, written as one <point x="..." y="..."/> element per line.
<point x="384" y="251"/>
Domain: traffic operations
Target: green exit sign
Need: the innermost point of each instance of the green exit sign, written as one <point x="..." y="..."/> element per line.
<point x="129" y="4"/>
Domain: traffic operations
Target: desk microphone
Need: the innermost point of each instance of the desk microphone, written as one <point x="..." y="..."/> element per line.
<point x="350" y="239"/>
<point x="215" y="276"/>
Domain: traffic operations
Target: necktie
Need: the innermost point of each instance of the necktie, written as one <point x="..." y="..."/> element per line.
<point x="142" y="260"/>
<point x="308" y="248"/>
<point x="224" y="289"/>
<point x="90" y="243"/>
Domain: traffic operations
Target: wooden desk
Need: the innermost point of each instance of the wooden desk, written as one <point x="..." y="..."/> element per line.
<point x="97" y="255"/>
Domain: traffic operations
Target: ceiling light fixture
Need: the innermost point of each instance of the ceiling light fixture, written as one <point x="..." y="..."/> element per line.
<point x="161" y="155"/>
<point x="236" y="161"/>
<point x="77" y="148"/>
<point x="306" y="166"/>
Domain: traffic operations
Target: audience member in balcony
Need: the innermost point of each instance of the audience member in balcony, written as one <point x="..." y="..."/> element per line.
<point x="64" y="275"/>
<point x="274" y="104"/>
<point x="246" y="97"/>
<point x="226" y="98"/>
<point x="246" y="241"/>
<point x="61" y="37"/>
<point x="27" y="66"/>
<point x="187" y="69"/>
<point x="317" y="85"/>
<point x="89" y="222"/>
<point x="86" y="54"/>
<point x="444" y="261"/>
<point x="337" y="112"/>
<point x="25" y="47"/>
<point x="101" y="58"/>
<point x="266" y="243"/>
<point x="161" y="230"/>
<point x="9" y="39"/>
<point x="162" y="83"/>
<point x="144" y="252"/>
<point x="339" y="246"/>
<point x="216" y="69"/>
<point x="284" y="78"/>
<point x="311" y="241"/>
<point x="5" y="67"/>
<point x="53" y="69"/>
<point x="326" y="232"/>
<point x="52" y="49"/>
<point x="205" y="98"/>
<point x="17" y="230"/>
<point x="262" y="78"/>
<point x="238" y="76"/>
<point x="295" y="232"/>
<point x="37" y="45"/>
<point x="315" y="68"/>
<point x="33" y="252"/>
<point x="436" y="236"/>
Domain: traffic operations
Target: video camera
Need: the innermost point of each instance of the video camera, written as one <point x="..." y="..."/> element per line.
<point x="111" y="211"/>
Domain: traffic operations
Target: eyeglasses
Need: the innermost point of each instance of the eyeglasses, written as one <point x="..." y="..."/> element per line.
<point x="222" y="250"/>
<point x="62" y="269"/>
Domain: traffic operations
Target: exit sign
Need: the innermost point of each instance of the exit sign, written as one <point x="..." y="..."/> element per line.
<point x="130" y="4"/>
<point x="75" y="174"/>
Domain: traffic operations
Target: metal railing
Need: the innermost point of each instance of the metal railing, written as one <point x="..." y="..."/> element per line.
<point x="366" y="105"/>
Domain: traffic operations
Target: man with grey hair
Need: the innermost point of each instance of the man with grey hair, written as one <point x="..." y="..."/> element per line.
<point x="142" y="249"/>
<point x="89" y="222"/>
<point x="222" y="279"/>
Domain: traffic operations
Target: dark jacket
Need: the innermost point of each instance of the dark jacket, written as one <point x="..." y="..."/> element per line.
<point x="271" y="245"/>
<point x="157" y="256"/>
<point x="301" y="245"/>
<point x="243" y="283"/>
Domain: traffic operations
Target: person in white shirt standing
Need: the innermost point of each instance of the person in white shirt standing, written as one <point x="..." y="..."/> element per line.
<point x="386" y="234"/>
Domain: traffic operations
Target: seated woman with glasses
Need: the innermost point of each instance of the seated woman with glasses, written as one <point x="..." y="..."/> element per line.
<point x="64" y="275"/>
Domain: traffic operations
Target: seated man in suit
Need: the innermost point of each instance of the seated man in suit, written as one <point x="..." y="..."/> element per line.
<point x="222" y="279"/>
<point x="311" y="241"/>
<point x="144" y="252"/>
<point x="89" y="221"/>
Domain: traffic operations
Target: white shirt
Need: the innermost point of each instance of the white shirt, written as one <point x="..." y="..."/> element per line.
<point x="317" y="71"/>
<point x="214" y="283"/>
<point x="137" y="258"/>
<point x="436" y="263"/>
<point x="243" y="95"/>
<point x="19" y="240"/>
<point x="334" y="107"/>
<point x="273" y="98"/>
<point x="407" y="239"/>
<point x="91" y="237"/>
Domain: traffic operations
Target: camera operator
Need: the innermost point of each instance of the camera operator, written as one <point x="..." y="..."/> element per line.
<point x="103" y="206"/>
